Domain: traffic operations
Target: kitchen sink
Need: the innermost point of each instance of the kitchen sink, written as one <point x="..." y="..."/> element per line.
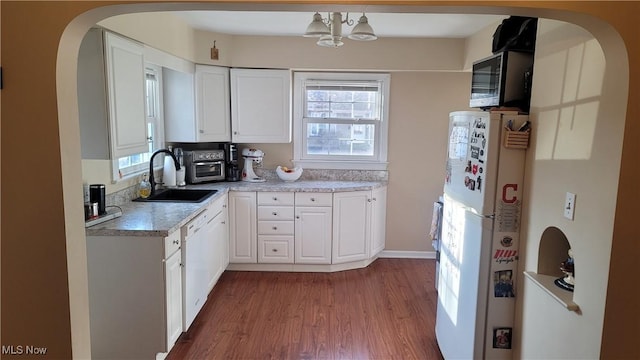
<point x="179" y="195"/>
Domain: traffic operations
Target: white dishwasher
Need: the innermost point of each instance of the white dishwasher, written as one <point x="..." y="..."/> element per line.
<point x="194" y="281"/>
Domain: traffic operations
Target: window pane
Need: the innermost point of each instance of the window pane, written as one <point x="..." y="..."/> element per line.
<point x="340" y="139"/>
<point x="342" y="100"/>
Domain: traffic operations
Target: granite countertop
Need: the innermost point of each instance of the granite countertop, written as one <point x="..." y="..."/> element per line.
<point x="159" y="219"/>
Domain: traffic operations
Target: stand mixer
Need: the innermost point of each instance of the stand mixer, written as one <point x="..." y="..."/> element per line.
<point x="251" y="156"/>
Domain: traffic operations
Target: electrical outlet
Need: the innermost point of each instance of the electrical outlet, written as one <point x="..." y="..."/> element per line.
<point x="569" y="205"/>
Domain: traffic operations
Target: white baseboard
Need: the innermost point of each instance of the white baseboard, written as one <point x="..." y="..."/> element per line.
<point x="397" y="254"/>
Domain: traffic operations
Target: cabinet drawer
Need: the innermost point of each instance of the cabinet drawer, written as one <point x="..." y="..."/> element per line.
<point x="275" y="249"/>
<point x="275" y="198"/>
<point x="171" y="244"/>
<point x="275" y="227"/>
<point x="275" y="212"/>
<point x="314" y="199"/>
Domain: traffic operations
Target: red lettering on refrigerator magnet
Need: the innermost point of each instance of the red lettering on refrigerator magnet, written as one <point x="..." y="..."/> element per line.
<point x="513" y="198"/>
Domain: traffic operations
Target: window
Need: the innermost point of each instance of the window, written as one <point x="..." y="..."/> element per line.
<point x="134" y="164"/>
<point x="340" y="120"/>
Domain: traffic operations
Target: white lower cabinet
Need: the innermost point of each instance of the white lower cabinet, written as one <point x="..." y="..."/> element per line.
<point x="306" y="228"/>
<point x="217" y="241"/>
<point x="275" y="227"/>
<point x="243" y="235"/>
<point x="313" y="228"/>
<point x="173" y="293"/>
<point x="378" y="220"/>
<point x="351" y="226"/>
<point x="358" y="224"/>
<point x="135" y="295"/>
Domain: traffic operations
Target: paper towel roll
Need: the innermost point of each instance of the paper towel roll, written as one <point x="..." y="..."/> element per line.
<point x="169" y="172"/>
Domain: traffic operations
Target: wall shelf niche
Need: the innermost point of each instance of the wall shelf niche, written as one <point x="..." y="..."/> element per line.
<point x="553" y="250"/>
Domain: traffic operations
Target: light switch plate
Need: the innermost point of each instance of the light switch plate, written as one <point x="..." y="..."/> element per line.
<point x="569" y="205"/>
<point x="85" y="192"/>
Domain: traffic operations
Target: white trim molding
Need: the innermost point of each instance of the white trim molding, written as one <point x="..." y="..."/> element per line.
<point x="399" y="254"/>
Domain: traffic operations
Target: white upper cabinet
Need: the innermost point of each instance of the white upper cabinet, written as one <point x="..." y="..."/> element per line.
<point x="111" y="96"/>
<point x="197" y="112"/>
<point x="125" y="85"/>
<point x="179" y="109"/>
<point x="212" y="103"/>
<point x="260" y="106"/>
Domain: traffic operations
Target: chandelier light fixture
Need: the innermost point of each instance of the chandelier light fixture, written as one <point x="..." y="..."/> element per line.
<point x="329" y="30"/>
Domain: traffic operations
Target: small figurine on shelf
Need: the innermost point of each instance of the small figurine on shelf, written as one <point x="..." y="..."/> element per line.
<point x="567" y="282"/>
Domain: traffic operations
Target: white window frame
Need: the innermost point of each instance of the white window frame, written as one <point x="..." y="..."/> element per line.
<point x="379" y="159"/>
<point x="156" y="123"/>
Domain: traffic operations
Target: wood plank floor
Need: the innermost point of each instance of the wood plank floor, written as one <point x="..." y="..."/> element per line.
<point x="385" y="311"/>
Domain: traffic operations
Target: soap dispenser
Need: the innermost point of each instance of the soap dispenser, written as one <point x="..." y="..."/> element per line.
<point x="145" y="187"/>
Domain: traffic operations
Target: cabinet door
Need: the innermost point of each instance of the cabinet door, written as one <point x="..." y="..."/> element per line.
<point x="173" y="293"/>
<point x="217" y="248"/>
<point x="212" y="104"/>
<point x="179" y="106"/>
<point x="260" y="106"/>
<point x="351" y="228"/>
<point x="243" y="235"/>
<point x="313" y="235"/>
<point x="126" y="87"/>
<point x="378" y="219"/>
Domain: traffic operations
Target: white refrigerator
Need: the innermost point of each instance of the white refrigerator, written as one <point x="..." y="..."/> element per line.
<point x="480" y="233"/>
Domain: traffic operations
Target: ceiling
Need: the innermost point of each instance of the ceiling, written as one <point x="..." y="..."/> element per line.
<point x="290" y="23"/>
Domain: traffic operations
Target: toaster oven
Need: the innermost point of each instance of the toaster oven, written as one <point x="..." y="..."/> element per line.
<point x="204" y="166"/>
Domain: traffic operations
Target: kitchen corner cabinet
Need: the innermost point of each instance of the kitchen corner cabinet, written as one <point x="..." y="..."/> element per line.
<point x="111" y="95"/>
<point x="243" y="233"/>
<point x="358" y="225"/>
<point x="134" y="275"/>
<point x="378" y="220"/>
<point x="260" y="106"/>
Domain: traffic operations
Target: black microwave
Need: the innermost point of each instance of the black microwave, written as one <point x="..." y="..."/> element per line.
<point x="503" y="79"/>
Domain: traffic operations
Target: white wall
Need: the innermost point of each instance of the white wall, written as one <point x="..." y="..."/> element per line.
<point x="576" y="147"/>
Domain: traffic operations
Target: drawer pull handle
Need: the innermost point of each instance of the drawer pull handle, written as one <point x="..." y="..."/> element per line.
<point x="313" y="199"/>
<point x="275" y="228"/>
<point x="274" y="213"/>
<point x="224" y="222"/>
<point x="297" y="217"/>
<point x="369" y="200"/>
<point x="275" y="198"/>
<point x="274" y="250"/>
<point x="176" y="242"/>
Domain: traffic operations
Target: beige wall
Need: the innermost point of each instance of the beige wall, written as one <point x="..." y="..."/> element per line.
<point x="44" y="299"/>
<point x="419" y="108"/>
<point x="479" y="45"/>
<point x="160" y="30"/>
<point x="576" y="147"/>
<point x="419" y="122"/>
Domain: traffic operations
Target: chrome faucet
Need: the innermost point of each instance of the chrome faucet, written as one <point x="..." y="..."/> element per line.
<point x="151" y="179"/>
